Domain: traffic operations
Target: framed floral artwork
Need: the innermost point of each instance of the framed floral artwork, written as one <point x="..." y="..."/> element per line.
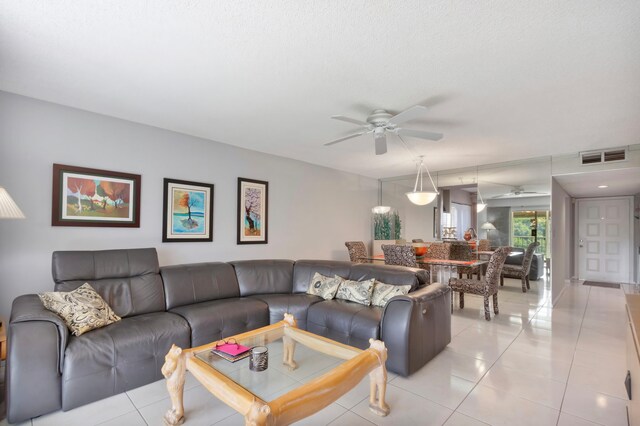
<point x="187" y="211"/>
<point x="93" y="197"/>
<point x="253" y="207"/>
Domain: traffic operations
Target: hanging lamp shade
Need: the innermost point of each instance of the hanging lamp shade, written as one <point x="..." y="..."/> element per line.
<point x="381" y="209"/>
<point x="422" y="198"/>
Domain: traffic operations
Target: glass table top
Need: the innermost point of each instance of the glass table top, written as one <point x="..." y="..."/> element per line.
<point x="277" y="379"/>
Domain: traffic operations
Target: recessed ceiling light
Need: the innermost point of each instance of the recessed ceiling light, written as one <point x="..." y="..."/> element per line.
<point x="603" y="186"/>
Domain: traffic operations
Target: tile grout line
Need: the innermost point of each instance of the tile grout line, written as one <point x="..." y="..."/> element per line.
<point x="137" y="410"/>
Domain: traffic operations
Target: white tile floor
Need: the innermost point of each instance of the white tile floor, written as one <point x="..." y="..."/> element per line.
<point x="531" y="365"/>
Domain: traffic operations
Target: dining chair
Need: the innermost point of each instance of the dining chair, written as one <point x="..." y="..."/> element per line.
<point x="395" y="254"/>
<point x="484" y="245"/>
<point x="357" y="251"/>
<point x="464" y="252"/>
<point x="486" y="287"/>
<point x="521" y="271"/>
<point x="438" y="251"/>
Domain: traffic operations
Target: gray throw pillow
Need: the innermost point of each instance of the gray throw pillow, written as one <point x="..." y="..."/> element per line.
<point x="356" y="291"/>
<point x="383" y="292"/>
<point x="325" y="287"/>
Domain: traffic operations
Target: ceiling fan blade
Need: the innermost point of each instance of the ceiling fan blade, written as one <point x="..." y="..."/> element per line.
<point x="381" y="143"/>
<point x="350" y="120"/>
<point x="421" y="134"/>
<point x="416" y="111"/>
<point x="344" y="138"/>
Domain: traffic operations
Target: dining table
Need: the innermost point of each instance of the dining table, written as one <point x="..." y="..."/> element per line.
<point x="443" y="268"/>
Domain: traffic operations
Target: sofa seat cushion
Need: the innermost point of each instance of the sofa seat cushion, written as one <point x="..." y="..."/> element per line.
<point x="295" y="304"/>
<point x="217" y="319"/>
<point x="346" y="322"/>
<point x="119" y="357"/>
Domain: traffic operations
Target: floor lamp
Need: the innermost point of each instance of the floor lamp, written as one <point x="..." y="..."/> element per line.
<point x="8" y="208"/>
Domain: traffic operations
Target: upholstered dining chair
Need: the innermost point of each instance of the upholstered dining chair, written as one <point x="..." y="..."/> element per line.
<point x="439" y="251"/>
<point x="395" y="254"/>
<point x="521" y="271"/>
<point x="464" y="252"/>
<point x="485" y="287"/>
<point x="357" y="251"/>
<point x="484" y="245"/>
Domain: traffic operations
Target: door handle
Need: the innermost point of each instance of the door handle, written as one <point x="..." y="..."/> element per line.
<point x="627" y="384"/>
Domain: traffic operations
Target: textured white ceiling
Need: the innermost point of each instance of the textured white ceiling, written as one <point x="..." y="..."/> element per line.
<point x="503" y="80"/>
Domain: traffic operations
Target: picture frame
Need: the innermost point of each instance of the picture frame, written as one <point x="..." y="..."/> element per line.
<point x="187" y="211"/>
<point x="253" y="211"/>
<point x="84" y="196"/>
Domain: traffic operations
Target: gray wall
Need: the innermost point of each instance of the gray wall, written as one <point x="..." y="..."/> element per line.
<point x="312" y="210"/>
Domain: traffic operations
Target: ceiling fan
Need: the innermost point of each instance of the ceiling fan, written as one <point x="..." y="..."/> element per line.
<point x="519" y="191"/>
<point x="380" y="122"/>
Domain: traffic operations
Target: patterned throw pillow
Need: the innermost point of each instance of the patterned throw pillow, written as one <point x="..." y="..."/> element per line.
<point x="81" y="309"/>
<point x="383" y="292"/>
<point x="356" y="291"/>
<point x="324" y="287"/>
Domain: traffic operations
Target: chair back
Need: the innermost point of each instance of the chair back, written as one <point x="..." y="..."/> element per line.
<point x="460" y="252"/>
<point x="439" y="251"/>
<point x="395" y="254"/>
<point x="484" y="245"/>
<point x="357" y="251"/>
<point x="528" y="257"/>
<point x="494" y="269"/>
<point x="417" y="240"/>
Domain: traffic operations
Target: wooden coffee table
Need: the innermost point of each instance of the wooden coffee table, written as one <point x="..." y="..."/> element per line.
<point x="285" y="392"/>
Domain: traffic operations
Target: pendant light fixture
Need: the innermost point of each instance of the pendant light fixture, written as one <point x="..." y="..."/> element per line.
<point x="421" y="197"/>
<point x="379" y="209"/>
<point x="481" y="205"/>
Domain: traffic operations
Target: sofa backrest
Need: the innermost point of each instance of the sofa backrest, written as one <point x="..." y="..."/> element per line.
<point x="127" y="279"/>
<point x="388" y="274"/>
<point x="264" y="276"/>
<point x="198" y="282"/>
<point x="303" y="271"/>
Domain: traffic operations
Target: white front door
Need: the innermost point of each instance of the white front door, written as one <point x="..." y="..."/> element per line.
<point x="604" y="239"/>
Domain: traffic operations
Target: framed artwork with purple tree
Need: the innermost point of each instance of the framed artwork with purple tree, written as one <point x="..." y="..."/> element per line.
<point x="187" y="211"/>
<point x="253" y="206"/>
<point x="93" y="197"/>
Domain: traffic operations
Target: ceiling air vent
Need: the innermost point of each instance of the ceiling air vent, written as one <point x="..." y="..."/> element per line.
<point x="615" y="155"/>
<point x="598" y="157"/>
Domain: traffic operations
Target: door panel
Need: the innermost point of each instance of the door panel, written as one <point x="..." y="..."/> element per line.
<point x="604" y="239"/>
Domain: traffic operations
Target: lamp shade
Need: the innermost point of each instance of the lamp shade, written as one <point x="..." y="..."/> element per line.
<point x="480" y="207"/>
<point x="380" y="209"/>
<point x="488" y="226"/>
<point x="421" y="198"/>
<point x="8" y="208"/>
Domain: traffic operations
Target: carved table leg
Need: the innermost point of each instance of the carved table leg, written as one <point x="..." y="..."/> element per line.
<point x="174" y="371"/>
<point x="289" y="345"/>
<point x="258" y="415"/>
<point x="378" y="381"/>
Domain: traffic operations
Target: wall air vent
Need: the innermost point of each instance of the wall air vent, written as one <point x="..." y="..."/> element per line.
<point x="599" y="157"/>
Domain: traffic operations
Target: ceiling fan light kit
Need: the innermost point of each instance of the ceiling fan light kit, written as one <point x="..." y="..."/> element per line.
<point x="422" y="198"/>
<point x="380" y="122"/>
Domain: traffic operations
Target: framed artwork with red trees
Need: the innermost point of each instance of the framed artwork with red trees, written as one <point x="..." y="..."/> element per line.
<point x="187" y="211"/>
<point x="92" y="197"/>
<point x="253" y="206"/>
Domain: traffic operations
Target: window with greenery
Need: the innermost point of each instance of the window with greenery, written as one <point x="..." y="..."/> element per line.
<point x="530" y="226"/>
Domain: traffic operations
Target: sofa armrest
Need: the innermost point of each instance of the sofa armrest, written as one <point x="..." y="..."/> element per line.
<point x="36" y="343"/>
<point x="416" y="327"/>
